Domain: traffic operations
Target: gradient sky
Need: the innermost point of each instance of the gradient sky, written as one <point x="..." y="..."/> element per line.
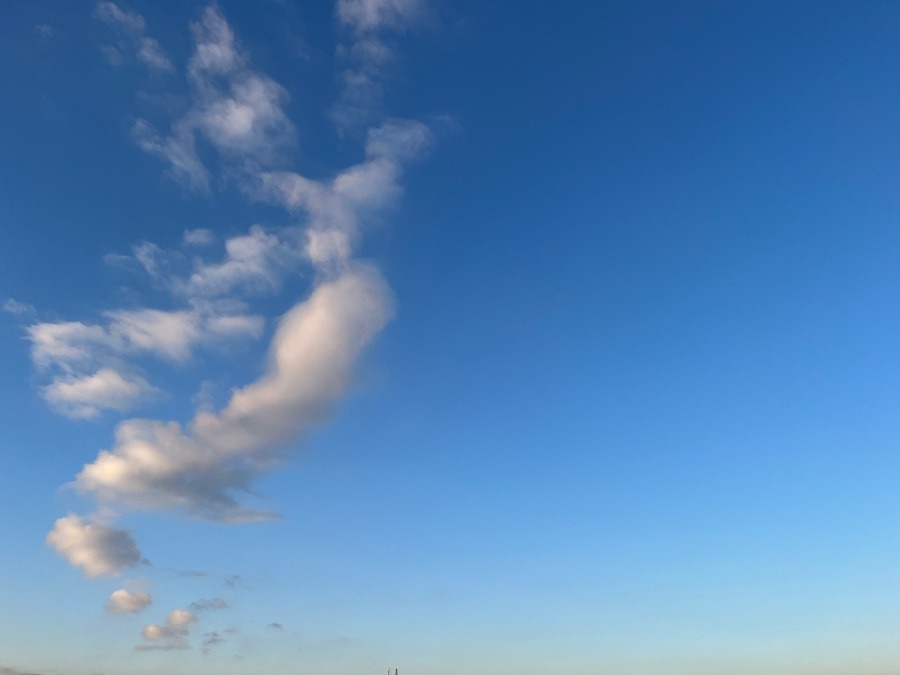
<point x="506" y="338"/>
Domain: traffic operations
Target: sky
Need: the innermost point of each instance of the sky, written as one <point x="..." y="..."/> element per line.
<point x="497" y="337"/>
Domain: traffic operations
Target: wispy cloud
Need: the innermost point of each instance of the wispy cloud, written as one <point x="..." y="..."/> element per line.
<point x="238" y="111"/>
<point x="207" y="467"/>
<point x="85" y="397"/>
<point x="129" y="28"/>
<point x="207" y="604"/>
<point x="96" y="548"/>
<point x="210" y="640"/>
<point x="371" y="25"/>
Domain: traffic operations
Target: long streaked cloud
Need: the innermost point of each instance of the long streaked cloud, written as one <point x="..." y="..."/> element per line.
<point x="129" y="28"/>
<point x="201" y="469"/>
<point x="95" y="547"/>
<point x="236" y="132"/>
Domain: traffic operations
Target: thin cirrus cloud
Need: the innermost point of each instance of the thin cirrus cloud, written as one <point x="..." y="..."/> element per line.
<point x="367" y="54"/>
<point x="129" y="30"/>
<point x="235" y="109"/>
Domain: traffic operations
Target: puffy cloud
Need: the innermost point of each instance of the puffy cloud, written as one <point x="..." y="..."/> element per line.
<point x="172" y="634"/>
<point x="123" y="601"/>
<point x="180" y="618"/>
<point x="90" y="375"/>
<point x="84" y="397"/>
<point x="94" y="547"/>
<point x="129" y="27"/>
<point x="201" y="469"/>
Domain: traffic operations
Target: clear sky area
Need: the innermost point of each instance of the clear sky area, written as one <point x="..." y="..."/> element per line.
<point x="508" y="338"/>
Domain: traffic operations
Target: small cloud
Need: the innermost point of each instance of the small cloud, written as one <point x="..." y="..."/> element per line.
<point x="45" y="31"/>
<point x="126" y="602"/>
<point x="198" y="237"/>
<point x="194" y="573"/>
<point x="112" y="55"/>
<point x="129" y="28"/>
<point x="276" y="626"/>
<point x="233" y="581"/>
<point x="94" y="547"/>
<point x="212" y="603"/>
<point x="172" y="634"/>
<point x="19" y="309"/>
<point x="209" y="640"/>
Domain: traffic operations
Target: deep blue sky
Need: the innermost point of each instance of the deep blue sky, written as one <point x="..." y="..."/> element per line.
<point x="636" y="411"/>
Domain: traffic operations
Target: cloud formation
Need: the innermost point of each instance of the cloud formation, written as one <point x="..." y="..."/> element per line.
<point x="87" y="361"/>
<point x="211" y="603"/>
<point x="235" y="128"/>
<point x="94" y="547"/>
<point x="235" y="110"/>
<point x="129" y="29"/>
<point x="173" y="634"/>
<point x="201" y="469"/>
<point x="123" y="601"/>
<point x="371" y="25"/>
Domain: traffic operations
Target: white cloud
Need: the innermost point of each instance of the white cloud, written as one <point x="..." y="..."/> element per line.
<point x="336" y="207"/>
<point x="172" y="634"/>
<point x="87" y="358"/>
<point x="129" y="27"/>
<point x="123" y="601"/>
<point x="94" y="547"/>
<point x="85" y="397"/>
<point x="235" y="109"/>
<point x="367" y="55"/>
<point x="207" y="466"/>
<point x="16" y="308"/>
<point x="369" y="15"/>
<point x="204" y="468"/>
<point x="198" y="237"/>
<point x="64" y="344"/>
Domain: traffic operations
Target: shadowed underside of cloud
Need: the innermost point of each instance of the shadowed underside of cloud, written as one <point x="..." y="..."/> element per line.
<point x="173" y="634"/>
<point x="206" y="467"/>
<point x="123" y="601"/>
<point x="96" y="548"/>
<point x="202" y="468"/>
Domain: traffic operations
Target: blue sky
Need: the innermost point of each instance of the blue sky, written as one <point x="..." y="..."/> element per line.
<point x="505" y="337"/>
